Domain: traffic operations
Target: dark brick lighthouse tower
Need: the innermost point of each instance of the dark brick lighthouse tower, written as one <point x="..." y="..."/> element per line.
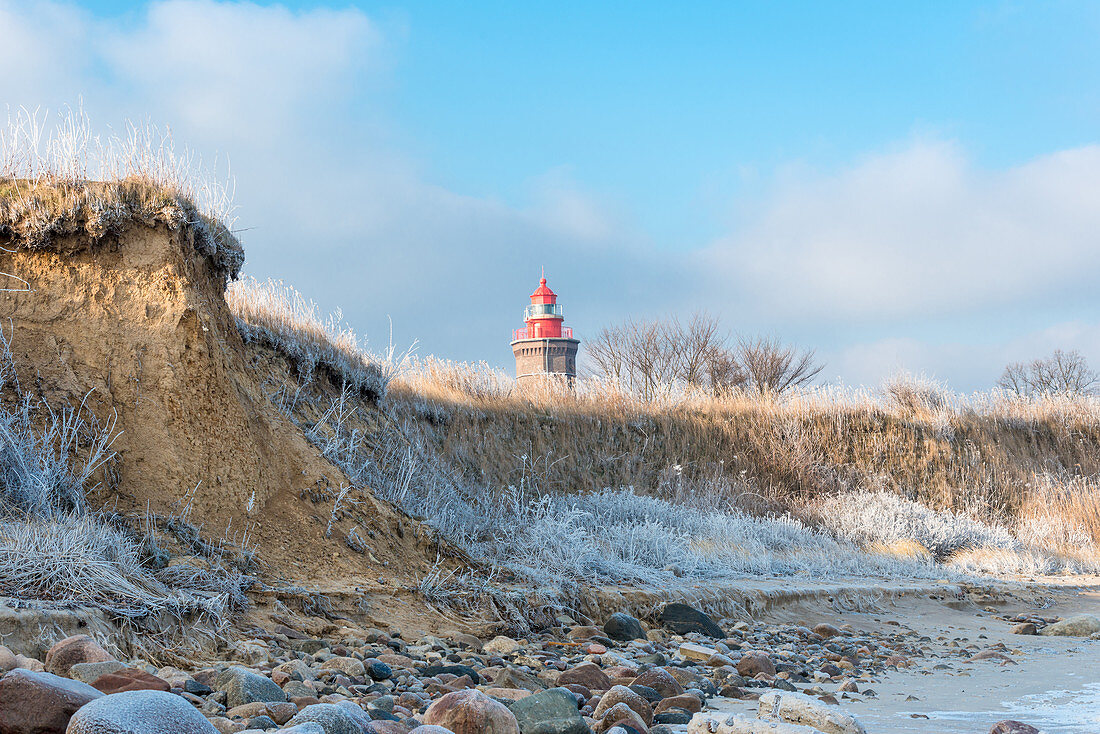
<point x="544" y="347"/>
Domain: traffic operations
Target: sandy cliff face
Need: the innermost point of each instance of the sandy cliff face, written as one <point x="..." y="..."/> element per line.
<point x="138" y="323"/>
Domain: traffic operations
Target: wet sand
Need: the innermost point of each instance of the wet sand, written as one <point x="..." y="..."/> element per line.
<point x="1053" y="683"/>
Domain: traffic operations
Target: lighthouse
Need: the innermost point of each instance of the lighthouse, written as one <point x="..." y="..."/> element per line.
<point x="544" y="347"/>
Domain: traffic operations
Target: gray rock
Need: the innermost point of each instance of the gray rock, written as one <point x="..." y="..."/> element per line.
<point x="332" y="719"/>
<point x="1080" y="625"/>
<point x="624" y="628"/>
<point x="297" y="689"/>
<point x="242" y="686"/>
<point x="306" y="727"/>
<point x="261" y="722"/>
<point x="348" y="666"/>
<point x="89" y="672"/>
<point x="683" y="619"/>
<point x="552" y="711"/>
<point x="139" y="712"/>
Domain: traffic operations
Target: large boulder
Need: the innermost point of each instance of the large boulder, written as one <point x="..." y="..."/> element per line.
<point x="40" y="703"/>
<point x="471" y="712"/>
<point x="332" y="718"/>
<point x="553" y="711"/>
<point x="684" y="619"/>
<point x="140" y="712"/>
<point x="1081" y="625"/>
<point x="589" y="675"/>
<point x="243" y="686"/>
<point x="623" y="627"/>
<point x="72" y="650"/>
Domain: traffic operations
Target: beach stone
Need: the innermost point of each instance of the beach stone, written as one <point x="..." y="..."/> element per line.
<point x="431" y="729"/>
<point x="333" y="719"/>
<point x="1025" y="628"/>
<point x="826" y="630"/>
<point x="588" y="675"/>
<point x="1010" y="726"/>
<point x="26" y="663"/>
<point x="512" y="678"/>
<point x="672" y="717"/>
<point x="40" y="703"/>
<point x="377" y="670"/>
<point x="7" y="660"/>
<point x="296" y="669"/>
<point x="72" y="650"/>
<point x="224" y="725"/>
<point x="387" y="727"/>
<point x="661" y="681"/>
<point x="687" y="702"/>
<point x="622" y="694"/>
<point x="243" y="686"/>
<point x="298" y="689"/>
<point x="684" y="619"/>
<point x="623" y="628"/>
<point x="552" y="711"/>
<point x="754" y="663"/>
<point x="140" y="712"/>
<point x="306" y="727"/>
<point x="471" y="712"/>
<point x="1080" y="625"/>
<point x="622" y="715"/>
<point x="348" y="666"/>
<point x="500" y="645"/>
<point x="455" y="670"/>
<point x="90" y="672"/>
<point x="260" y="723"/>
<point x="129" y="679"/>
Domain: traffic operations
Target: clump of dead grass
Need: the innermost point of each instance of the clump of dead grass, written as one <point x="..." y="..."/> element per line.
<point x="58" y="180"/>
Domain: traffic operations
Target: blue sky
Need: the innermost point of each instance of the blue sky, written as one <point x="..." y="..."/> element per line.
<point x="896" y="185"/>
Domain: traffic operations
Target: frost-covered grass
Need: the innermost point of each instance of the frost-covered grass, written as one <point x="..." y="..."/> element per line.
<point x="277" y="315"/>
<point x="59" y="179"/>
<point x="1027" y="545"/>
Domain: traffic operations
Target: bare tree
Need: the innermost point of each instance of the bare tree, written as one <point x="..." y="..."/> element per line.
<point x="1061" y="373"/>
<point x="651" y="357"/>
<point x="773" y="368"/>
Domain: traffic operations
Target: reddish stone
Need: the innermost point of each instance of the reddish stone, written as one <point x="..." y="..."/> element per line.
<point x="588" y="675"/>
<point x="753" y="664"/>
<point x="661" y="681"/>
<point x="129" y="679"/>
<point x="40" y="703"/>
<point x="72" y="650"/>
<point x="471" y="712"/>
<point x="687" y="702"/>
<point x="622" y="694"/>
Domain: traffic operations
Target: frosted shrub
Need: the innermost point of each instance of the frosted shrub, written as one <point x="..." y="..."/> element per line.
<point x="869" y="518"/>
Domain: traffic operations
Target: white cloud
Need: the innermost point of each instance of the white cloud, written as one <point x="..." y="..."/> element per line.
<point x="917" y="232"/>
